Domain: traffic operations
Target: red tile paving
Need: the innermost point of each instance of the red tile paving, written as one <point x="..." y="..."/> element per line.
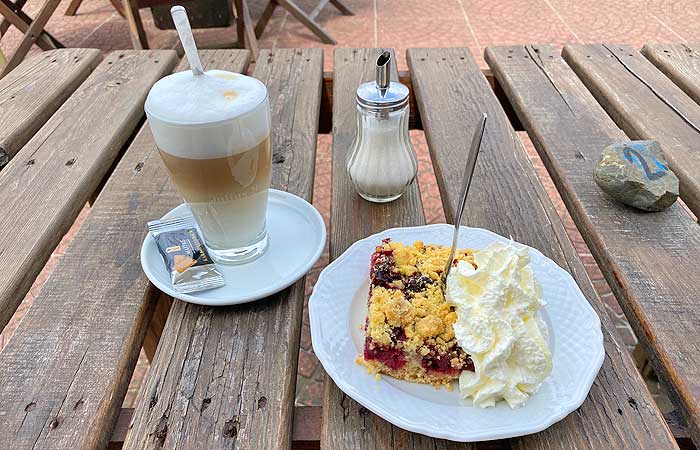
<point x="401" y="24"/>
<point x="514" y="22"/>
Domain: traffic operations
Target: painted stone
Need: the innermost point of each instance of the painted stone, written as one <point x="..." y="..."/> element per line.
<point x="636" y="173"/>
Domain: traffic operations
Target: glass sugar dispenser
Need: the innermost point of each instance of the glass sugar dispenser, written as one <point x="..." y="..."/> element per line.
<point x="382" y="162"/>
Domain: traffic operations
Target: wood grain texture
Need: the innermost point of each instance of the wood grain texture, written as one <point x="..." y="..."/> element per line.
<point x="47" y="183"/>
<point x="346" y="424"/>
<point x="680" y="62"/>
<point x="225" y="377"/>
<point x="32" y="92"/>
<point x="648" y="259"/>
<point x="64" y="373"/>
<point x="638" y="111"/>
<point x="508" y="198"/>
<point x="305" y="434"/>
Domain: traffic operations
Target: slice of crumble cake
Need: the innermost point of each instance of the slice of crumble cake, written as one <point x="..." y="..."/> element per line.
<point x="408" y="331"/>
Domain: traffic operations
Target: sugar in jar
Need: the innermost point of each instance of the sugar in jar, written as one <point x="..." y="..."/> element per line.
<point x="382" y="162"/>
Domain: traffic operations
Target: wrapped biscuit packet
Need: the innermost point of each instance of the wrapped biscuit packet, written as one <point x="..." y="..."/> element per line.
<point x="190" y="266"/>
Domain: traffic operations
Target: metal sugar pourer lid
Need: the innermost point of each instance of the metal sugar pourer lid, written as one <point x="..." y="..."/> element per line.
<point x="382" y="94"/>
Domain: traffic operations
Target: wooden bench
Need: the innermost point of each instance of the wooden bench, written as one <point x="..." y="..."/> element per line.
<point x="47" y="183"/>
<point x="645" y="104"/>
<point x="225" y="377"/>
<point x="451" y="93"/>
<point x="680" y="62"/>
<point x="231" y="372"/>
<point x="56" y="74"/>
<point x="648" y="259"/>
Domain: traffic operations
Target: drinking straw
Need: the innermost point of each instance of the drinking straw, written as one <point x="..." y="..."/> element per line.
<point x="182" y="24"/>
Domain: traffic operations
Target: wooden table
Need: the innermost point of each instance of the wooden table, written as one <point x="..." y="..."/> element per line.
<point x="225" y="377"/>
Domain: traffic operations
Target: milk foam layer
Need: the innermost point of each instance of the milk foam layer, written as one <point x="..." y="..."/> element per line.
<point x="211" y="116"/>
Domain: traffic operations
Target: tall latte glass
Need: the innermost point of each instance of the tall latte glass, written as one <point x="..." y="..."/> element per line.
<point x="213" y="134"/>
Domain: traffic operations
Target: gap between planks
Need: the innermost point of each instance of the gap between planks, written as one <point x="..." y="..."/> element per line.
<point x="414" y="121"/>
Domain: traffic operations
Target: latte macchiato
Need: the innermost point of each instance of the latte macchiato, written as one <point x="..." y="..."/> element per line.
<point x="213" y="134"/>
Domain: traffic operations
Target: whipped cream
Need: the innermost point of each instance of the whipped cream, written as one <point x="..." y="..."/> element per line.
<point x="498" y="325"/>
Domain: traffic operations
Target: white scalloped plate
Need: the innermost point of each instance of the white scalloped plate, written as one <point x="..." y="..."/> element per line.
<point x="337" y="311"/>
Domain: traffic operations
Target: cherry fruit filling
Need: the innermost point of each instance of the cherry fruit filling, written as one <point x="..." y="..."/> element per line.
<point x="407" y="315"/>
<point x="392" y="357"/>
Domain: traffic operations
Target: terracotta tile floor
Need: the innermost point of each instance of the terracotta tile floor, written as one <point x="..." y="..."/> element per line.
<point x="474" y="24"/>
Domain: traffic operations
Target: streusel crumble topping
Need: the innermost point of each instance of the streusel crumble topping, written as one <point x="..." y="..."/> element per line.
<point x="407" y="311"/>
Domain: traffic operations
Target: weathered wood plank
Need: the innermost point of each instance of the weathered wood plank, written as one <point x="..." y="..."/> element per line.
<point x="650" y="260"/>
<point x="307" y="428"/>
<point x="680" y="62"/>
<point x="507" y="197"/>
<point x="305" y="434"/>
<point x="64" y="373"/>
<point x="346" y="424"/>
<point x="32" y="92"/>
<point x="613" y="74"/>
<point x="225" y="377"/>
<point x="45" y="186"/>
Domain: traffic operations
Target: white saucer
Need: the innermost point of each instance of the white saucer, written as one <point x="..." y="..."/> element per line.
<point x="297" y="236"/>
